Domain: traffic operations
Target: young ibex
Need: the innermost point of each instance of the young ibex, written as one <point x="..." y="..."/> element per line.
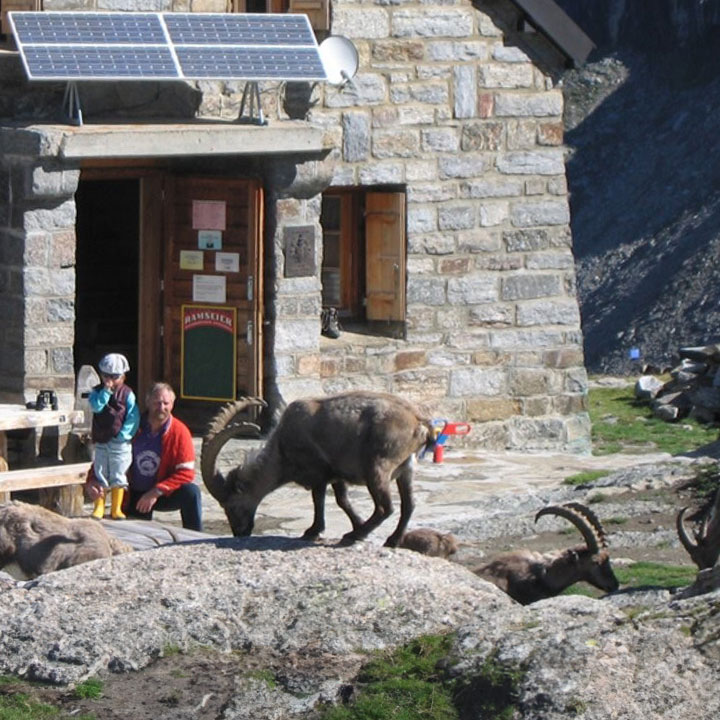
<point x="430" y="542"/>
<point x="37" y="541"/>
<point x="528" y="576"/>
<point x="358" y="437"/>
<point x="705" y="548"/>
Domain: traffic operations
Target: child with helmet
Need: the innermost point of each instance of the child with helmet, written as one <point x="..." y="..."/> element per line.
<point x="116" y="417"/>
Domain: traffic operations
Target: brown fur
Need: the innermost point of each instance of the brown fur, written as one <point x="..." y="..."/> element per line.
<point x="38" y="541"/>
<point x="528" y="576"/>
<point x="430" y="542"/>
<point x="362" y="438"/>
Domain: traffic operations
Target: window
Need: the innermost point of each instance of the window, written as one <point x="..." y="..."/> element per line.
<point x="363" y="267"/>
<point x="317" y="10"/>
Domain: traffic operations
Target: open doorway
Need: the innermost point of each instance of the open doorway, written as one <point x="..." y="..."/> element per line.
<point x="107" y="272"/>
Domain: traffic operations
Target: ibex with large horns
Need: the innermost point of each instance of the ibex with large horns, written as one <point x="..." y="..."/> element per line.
<point x="528" y="576"/>
<point x="704" y="549"/>
<point x="362" y="438"/>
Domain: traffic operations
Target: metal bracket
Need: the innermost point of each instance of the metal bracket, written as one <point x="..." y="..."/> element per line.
<point x="71" y="104"/>
<point x="251" y="96"/>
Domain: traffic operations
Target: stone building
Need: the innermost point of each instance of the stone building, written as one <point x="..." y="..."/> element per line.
<point x="425" y="200"/>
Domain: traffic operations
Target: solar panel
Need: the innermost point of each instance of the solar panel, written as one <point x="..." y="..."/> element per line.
<point x="172" y="46"/>
<point x="250" y="63"/>
<point x="49" y="28"/>
<point x="59" y="62"/>
<point x="249" y="29"/>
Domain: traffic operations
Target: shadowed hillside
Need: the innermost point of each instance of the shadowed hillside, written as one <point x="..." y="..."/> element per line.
<point x="644" y="174"/>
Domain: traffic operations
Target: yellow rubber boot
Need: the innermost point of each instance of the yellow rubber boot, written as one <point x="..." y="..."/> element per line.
<point x="99" y="508"/>
<point x="116" y="499"/>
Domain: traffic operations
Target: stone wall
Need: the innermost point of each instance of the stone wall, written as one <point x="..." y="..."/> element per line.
<point x="37" y="277"/>
<point x="447" y="105"/>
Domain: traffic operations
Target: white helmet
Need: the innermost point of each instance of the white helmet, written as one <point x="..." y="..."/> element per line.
<point x="114" y="364"/>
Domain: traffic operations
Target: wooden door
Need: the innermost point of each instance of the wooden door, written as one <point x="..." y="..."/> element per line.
<point x="205" y="217"/>
<point x="385" y="255"/>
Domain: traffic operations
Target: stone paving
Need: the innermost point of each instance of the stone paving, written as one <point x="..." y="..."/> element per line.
<point x="444" y="490"/>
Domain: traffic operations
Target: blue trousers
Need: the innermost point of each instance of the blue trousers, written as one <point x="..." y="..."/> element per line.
<point x="187" y="499"/>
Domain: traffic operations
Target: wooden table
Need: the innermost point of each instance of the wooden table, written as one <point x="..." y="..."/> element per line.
<point x="17" y="417"/>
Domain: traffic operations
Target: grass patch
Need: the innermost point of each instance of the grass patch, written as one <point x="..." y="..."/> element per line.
<point x="20" y="706"/>
<point x="411" y="683"/>
<point x="649" y="574"/>
<point x="620" y="423"/>
<point x="642" y="575"/>
<point x="89" y="690"/>
<point x="585" y="478"/>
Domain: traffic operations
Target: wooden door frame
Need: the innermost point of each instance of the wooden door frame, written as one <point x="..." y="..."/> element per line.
<point x="155" y="193"/>
<point x="150" y="237"/>
<point x="255" y="205"/>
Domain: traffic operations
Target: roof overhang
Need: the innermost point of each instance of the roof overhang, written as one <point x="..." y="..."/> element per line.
<point x="96" y="142"/>
<point x="548" y="18"/>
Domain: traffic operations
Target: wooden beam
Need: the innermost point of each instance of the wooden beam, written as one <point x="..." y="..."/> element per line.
<point x="44" y="477"/>
<point x="553" y="22"/>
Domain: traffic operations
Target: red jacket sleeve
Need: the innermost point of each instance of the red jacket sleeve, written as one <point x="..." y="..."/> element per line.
<point x="177" y="465"/>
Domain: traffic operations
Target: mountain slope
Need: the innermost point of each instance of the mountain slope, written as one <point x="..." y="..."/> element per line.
<point x="644" y="177"/>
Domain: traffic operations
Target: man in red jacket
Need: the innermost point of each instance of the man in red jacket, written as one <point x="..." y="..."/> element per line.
<point x="163" y="467"/>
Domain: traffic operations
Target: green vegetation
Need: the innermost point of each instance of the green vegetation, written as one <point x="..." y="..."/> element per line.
<point x="643" y="575"/>
<point x="19" y="700"/>
<point x="20" y="706"/>
<point x="620" y="423"/>
<point x="648" y="574"/>
<point x="585" y="478"/>
<point x="264" y="676"/>
<point x="402" y="685"/>
<point x="89" y="690"/>
<point x="410" y="683"/>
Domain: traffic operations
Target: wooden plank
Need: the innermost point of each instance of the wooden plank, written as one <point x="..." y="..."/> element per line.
<point x="16" y="417"/>
<point x="44" y="477"/>
<point x="551" y="20"/>
<point x="148" y="534"/>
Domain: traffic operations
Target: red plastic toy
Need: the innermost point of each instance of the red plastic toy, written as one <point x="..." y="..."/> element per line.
<point x="448" y="428"/>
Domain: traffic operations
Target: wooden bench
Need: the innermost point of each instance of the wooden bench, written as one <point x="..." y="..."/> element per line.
<point x="43" y="478"/>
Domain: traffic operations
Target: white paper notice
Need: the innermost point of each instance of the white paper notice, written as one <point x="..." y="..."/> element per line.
<point x="209" y="288"/>
<point x="227" y="262"/>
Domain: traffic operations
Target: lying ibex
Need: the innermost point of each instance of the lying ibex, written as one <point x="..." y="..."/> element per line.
<point x="363" y="438"/>
<point x="528" y="576"/>
<point x="705" y="548"/>
<point x="37" y="541"/>
<point x="430" y="542"/>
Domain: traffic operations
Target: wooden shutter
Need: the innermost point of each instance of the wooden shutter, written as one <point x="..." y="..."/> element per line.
<point x="385" y="255"/>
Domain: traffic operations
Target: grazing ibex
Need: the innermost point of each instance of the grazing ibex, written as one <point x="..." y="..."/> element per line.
<point x="528" y="576"/>
<point x="363" y="438"/>
<point x="705" y="548"/>
<point x="430" y="542"/>
<point x="37" y="541"/>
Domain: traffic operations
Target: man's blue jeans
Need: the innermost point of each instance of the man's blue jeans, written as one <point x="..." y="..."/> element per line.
<point x="187" y="499"/>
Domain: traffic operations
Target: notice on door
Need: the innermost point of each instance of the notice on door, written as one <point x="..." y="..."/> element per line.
<point x="209" y="357"/>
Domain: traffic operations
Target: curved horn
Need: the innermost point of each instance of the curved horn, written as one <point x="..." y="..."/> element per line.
<point x="592" y="518"/>
<point x="579" y="521"/>
<point x="690" y="546"/>
<point x="223" y="427"/>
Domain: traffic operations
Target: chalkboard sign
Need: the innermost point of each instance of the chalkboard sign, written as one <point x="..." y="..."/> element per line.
<point x="208" y="368"/>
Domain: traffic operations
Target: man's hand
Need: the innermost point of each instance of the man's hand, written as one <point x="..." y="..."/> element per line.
<point x="147" y="501"/>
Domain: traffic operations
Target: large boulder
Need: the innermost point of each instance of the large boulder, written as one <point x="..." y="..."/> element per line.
<point x="624" y="657"/>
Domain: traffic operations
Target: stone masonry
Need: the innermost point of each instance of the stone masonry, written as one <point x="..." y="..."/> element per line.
<point x="445" y="105"/>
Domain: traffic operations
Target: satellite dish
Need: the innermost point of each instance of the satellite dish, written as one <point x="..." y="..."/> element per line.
<point x="339" y="58"/>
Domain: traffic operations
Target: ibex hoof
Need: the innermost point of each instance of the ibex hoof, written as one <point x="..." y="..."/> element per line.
<point x="348" y="539"/>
